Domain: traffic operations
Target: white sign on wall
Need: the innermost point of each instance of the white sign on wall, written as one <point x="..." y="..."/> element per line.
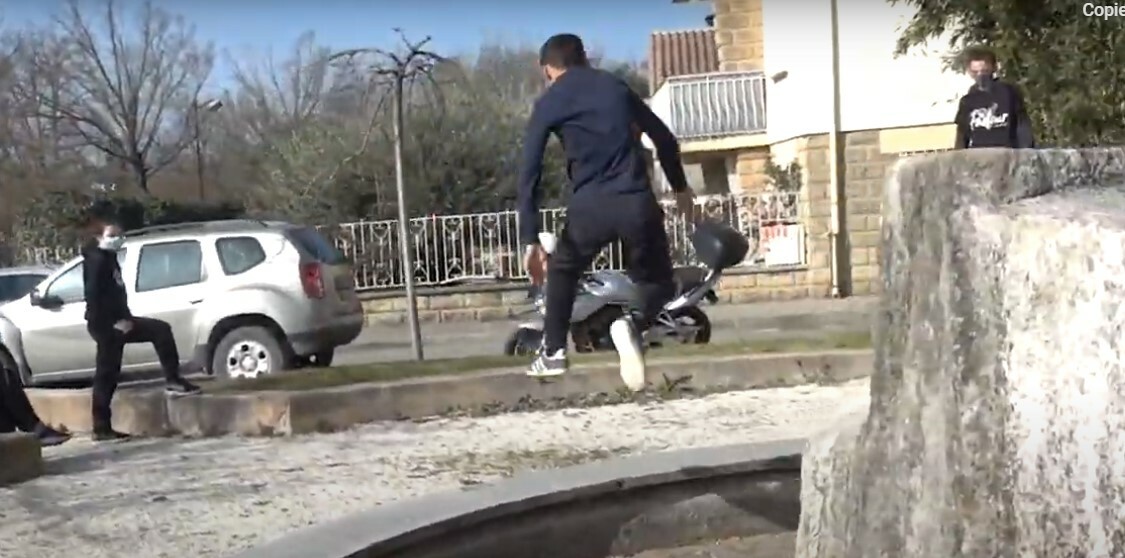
<point x="783" y="245"/>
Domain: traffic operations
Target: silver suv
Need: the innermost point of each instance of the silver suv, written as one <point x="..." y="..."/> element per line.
<point x="244" y="299"/>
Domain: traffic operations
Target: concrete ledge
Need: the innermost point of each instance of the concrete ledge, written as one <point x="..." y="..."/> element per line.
<point x="21" y="458"/>
<point x="616" y="507"/>
<point x="150" y="413"/>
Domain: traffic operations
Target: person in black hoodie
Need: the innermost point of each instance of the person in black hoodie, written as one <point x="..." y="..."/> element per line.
<point x="992" y="113"/>
<point x="112" y="325"/>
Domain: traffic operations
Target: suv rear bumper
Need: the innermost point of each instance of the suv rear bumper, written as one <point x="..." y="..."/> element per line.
<point x="339" y="331"/>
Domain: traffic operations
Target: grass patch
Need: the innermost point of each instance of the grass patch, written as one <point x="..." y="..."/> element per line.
<point x="390" y="371"/>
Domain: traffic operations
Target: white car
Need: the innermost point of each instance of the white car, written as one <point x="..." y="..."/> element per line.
<point x="243" y="298"/>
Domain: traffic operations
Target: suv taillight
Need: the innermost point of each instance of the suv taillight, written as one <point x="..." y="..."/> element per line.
<point x="312" y="280"/>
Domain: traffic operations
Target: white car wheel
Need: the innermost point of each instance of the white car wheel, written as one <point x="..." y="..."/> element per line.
<point x="248" y="352"/>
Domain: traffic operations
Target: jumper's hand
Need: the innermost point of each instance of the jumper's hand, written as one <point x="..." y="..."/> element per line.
<point x="535" y="262"/>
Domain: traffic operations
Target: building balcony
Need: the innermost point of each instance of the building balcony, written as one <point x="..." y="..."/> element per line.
<point x="727" y="108"/>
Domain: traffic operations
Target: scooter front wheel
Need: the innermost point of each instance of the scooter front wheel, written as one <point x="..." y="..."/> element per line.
<point x="523" y="341"/>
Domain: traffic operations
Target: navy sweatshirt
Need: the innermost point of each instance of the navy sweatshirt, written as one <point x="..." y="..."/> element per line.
<point x="993" y="118"/>
<point x="593" y="113"/>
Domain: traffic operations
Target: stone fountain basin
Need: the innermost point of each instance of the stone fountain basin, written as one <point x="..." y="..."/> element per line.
<point x="612" y="508"/>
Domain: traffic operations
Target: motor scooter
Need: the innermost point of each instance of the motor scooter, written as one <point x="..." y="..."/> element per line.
<point x="606" y="295"/>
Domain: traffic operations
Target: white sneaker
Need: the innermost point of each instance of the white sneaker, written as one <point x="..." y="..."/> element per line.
<point x="546" y="366"/>
<point x="632" y="358"/>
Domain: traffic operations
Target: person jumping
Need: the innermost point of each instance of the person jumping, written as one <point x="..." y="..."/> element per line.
<point x="596" y="115"/>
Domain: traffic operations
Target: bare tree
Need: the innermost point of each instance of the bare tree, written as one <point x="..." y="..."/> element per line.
<point x="400" y="69"/>
<point x="272" y="97"/>
<point x="127" y="94"/>
<point x="299" y="125"/>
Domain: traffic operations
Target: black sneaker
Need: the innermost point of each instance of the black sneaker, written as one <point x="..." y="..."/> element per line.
<point x="549" y="365"/>
<point x="49" y="436"/>
<point x="630" y="351"/>
<point x="180" y="388"/>
<point x="109" y="436"/>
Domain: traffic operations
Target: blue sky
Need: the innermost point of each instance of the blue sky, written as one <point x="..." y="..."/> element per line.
<point x="619" y="28"/>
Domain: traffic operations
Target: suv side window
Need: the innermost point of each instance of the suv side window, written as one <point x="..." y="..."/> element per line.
<point x="13" y="287"/>
<point x="169" y="264"/>
<point x="71" y="285"/>
<point x="239" y="254"/>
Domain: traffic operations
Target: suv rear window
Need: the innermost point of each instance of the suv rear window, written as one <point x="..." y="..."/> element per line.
<point x="239" y="254"/>
<point x="314" y="243"/>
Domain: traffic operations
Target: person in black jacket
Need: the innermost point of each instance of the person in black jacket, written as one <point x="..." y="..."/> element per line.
<point x="599" y="121"/>
<point x="992" y="113"/>
<point x="16" y="412"/>
<point x="112" y="326"/>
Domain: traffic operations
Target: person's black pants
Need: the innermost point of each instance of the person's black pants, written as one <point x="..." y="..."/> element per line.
<point x="110" y="348"/>
<point x="593" y="221"/>
<point x="16" y="412"/>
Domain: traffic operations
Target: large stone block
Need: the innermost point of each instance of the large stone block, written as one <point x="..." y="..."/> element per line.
<point x="997" y="419"/>
<point x="21" y="458"/>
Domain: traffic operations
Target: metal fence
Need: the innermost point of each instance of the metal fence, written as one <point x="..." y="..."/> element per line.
<point x="456" y="249"/>
<point x="453" y="249"/>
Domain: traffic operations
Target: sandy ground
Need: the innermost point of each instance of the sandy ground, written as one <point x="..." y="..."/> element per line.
<point x="210" y="498"/>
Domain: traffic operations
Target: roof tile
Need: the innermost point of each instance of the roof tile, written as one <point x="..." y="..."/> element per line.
<point x="681" y="53"/>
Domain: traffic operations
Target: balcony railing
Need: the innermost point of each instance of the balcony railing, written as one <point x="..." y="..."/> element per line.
<point x="715" y="105"/>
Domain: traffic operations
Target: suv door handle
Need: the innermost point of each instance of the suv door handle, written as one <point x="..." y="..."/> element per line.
<point x="196" y="301"/>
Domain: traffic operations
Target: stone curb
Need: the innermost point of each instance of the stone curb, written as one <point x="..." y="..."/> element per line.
<point x="21" y="458"/>
<point x="568" y="504"/>
<point x="268" y="413"/>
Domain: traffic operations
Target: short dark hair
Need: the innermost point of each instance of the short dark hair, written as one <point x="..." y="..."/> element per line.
<point x="564" y="50"/>
<point x="101" y="212"/>
<point x="978" y="52"/>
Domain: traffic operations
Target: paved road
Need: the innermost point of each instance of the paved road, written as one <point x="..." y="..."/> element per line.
<point x="731" y="322"/>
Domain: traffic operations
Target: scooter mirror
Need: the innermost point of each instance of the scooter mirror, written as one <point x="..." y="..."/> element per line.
<point x="548" y="241"/>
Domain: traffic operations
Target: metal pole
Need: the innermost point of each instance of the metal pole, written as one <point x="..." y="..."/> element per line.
<point x="403" y="230"/>
<point x="198" y="143"/>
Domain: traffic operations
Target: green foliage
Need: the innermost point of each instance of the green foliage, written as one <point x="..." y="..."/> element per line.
<point x="784" y="179"/>
<point x="1070" y="67"/>
<point x="55" y="218"/>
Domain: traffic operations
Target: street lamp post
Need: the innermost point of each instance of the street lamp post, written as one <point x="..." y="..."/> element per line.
<point x="208" y="106"/>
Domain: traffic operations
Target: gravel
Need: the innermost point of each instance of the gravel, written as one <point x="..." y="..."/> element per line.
<point x="213" y="497"/>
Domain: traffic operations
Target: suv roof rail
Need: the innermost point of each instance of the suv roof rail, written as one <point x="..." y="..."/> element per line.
<point x="191" y="225"/>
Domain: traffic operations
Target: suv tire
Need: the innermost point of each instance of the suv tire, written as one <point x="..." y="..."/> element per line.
<point x="256" y="349"/>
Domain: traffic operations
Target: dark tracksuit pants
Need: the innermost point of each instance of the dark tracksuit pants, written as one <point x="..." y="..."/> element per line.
<point x="110" y="349"/>
<point x="593" y="221"/>
<point x="16" y="412"/>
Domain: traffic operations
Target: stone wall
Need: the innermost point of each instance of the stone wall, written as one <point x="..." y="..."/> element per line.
<point x="750" y="171"/>
<point x="502" y="303"/>
<point x="865" y="167"/>
<point x="738" y="35"/>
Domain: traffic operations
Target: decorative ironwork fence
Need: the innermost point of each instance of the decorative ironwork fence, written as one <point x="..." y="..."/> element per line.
<point x="451" y="249"/>
<point x="455" y="249"/>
